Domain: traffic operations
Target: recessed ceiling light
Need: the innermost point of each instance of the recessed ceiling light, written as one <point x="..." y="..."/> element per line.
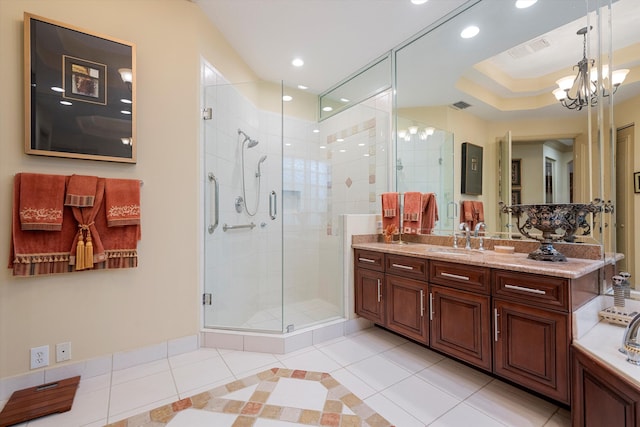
<point x="125" y="101"/>
<point x="419" y="1"/>
<point x="125" y="112"/>
<point x="287" y="98"/>
<point x="65" y="103"/>
<point x="345" y="100"/>
<point x="340" y="140"/>
<point x="327" y="109"/>
<point x="303" y="87"/>
<point x="469" y="32"/>
<point x="523" y="4"/>
<point x="323" y="146"/>
<point x="57" y="89"/>
<point x="343" y="150"/>
<point x="316" y="130"/>
<point x="297" y="62"/>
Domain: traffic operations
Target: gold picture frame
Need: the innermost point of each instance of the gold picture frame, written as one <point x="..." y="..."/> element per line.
<point x="79" y="93"/>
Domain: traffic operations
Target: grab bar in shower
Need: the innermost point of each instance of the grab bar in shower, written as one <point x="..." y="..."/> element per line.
<point x="236" y="227"/>
<point x="213" y="223"/>
<point x="273" y="205"/>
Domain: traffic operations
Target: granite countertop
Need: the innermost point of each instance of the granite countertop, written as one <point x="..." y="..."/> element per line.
<point x="572" y="269"/>
<point x="603" y="342"/>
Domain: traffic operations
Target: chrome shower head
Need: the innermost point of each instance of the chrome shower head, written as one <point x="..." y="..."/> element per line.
<point x="252" y="142"/>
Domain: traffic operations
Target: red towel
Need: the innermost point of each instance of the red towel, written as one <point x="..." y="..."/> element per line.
<point x="81" y="191"/>
<point x="390" y="203"/>
<point x="412" y="214"/>
<point x="122" y="202"/>
<point x="471" y="212"/>
<point x="429" y="213"/>
<point x="39" y="252"/>
<point x="41" y="201"/>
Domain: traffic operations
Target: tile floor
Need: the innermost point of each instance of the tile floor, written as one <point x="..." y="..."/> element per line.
<point x="407" y="384"/>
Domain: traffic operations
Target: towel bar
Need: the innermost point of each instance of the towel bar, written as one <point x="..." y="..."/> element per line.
<point x="235" y="227"/>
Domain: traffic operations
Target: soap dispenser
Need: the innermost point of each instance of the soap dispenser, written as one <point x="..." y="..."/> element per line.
<point x="631" y="341"/>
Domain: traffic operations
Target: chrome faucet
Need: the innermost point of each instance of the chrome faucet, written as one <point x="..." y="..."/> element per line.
<point x="467" y="234"/>
<point x="479" y="226"/>
<point x="631" y="341"/>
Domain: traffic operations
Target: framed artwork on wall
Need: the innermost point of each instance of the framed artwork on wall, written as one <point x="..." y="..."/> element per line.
<point x="79" y="93"/>
<point x="516" y="197"/>
<point x="471" y="179"/>
<point x="516" y="172"/>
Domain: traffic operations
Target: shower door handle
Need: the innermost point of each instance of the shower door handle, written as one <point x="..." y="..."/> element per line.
<point x="273" y="207"/>
<point x="214" y="213"/>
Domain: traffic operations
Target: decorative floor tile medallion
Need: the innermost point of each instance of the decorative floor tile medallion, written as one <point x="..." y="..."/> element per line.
<point x="270" y="398"/>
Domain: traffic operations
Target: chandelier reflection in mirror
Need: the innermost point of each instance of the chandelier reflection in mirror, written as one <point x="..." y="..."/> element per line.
<point x="557" y="222"/>
<point x="576" y="92"/>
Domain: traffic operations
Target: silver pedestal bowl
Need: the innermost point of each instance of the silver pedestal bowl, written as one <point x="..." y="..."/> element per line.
<point x="557" y="222"/>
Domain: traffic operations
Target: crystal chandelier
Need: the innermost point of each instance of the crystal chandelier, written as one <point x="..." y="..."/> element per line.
<point x="576" y="92"/>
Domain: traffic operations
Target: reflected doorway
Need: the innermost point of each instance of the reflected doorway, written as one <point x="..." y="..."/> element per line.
<point x="624" y="199"/>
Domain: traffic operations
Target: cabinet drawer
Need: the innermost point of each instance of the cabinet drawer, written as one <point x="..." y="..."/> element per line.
<point x="460" y="276"/>
<point x="369" y="259"/>
<point x="533" y="289"/>
<point x="407" y="266"/>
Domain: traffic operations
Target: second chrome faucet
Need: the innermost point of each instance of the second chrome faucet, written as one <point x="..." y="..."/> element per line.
<point x="467" y="235"/>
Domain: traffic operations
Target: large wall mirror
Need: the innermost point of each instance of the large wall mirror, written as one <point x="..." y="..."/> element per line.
<point x="495" y="91"/>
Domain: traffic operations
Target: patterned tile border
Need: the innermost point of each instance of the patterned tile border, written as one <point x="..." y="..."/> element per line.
<point x="212" y="400"/>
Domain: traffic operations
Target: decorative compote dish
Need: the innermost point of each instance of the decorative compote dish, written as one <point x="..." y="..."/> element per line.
<point x="556" y="221"/>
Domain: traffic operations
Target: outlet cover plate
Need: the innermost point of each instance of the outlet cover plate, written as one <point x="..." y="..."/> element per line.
<point x="63" y="352"/>
<point x="39" y="357"/>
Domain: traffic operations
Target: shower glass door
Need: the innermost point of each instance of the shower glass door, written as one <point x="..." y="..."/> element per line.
<point x="242" y="156"/>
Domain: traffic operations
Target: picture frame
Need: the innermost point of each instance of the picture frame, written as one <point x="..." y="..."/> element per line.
<point x="636" y="182"/>
<point x="516" y="172"/>
<point x="471" y="179"/>
<point x="516" y="197"/>
<point x="79" y="91"/>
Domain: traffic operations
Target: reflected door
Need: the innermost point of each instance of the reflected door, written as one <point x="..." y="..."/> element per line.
<point x="624" y="195"/>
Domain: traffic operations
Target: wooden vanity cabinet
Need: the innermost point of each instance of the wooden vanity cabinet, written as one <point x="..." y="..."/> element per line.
<point x="600" y="396"/>
<point x="369" y="286"/>
<point x="406" y="291"/>
<point x="516" y="325"/>
<point x="391" y="290"/>
<point x="406" y="307"/>
<point x="460" y="312"/>
<point x="532" y="332"/>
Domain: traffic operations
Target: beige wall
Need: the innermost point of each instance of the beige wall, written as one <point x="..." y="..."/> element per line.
<point x="103" y="312"/>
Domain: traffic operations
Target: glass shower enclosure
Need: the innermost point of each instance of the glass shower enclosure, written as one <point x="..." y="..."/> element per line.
<point x="271" y="261"/>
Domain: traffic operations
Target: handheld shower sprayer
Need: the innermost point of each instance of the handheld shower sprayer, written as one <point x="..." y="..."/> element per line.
<point x="250" y="144"/>
<point x="262" y="159"/>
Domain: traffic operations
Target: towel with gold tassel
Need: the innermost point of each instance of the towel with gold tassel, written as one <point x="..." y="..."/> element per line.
<point x="88" y="245"/>
<point x="88" y="251"/>
<point x="80" y="251"/>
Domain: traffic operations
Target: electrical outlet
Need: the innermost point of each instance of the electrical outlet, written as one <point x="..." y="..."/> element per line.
<point x="39" y="357"/>
<point x="63" y="352"/>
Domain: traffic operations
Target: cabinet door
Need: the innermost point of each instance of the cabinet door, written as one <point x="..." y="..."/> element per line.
<point x="369" y="295"/>
<point x="531" y="348"/>
<point x="461" y="325"/>
<point x="406" y="312"/>
<point x="600" y="397"/>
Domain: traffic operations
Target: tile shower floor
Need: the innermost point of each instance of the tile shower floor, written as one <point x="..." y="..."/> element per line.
<point x="407" y="384"/>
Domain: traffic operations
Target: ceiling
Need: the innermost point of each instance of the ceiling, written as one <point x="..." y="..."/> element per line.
<point x="336" y="38"/>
